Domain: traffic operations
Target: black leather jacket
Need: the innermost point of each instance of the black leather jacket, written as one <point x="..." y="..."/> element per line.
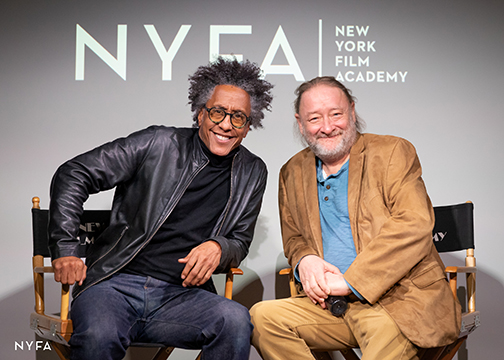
<point x="150" y="169"/>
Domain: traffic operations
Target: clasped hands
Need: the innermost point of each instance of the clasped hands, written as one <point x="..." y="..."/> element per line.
<point x="321" y="279"/>
<point x="200" y="264"/>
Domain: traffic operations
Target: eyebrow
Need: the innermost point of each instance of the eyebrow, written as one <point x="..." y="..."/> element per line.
<point x="332" y="109"/>
<point x="234" y="111"/>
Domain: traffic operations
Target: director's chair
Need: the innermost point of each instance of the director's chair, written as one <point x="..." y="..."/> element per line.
<point x="58" y="328"/>
<point x="453" y="231"/>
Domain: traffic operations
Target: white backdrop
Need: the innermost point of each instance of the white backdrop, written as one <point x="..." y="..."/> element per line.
<point x="74" y="75"/>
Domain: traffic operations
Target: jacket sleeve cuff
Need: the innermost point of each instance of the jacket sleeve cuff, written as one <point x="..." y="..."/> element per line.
<point x="58" y="251"/>
<point x="355" y="291"/>
<point x="296" y="271"/>
<point x="224" y="263"/>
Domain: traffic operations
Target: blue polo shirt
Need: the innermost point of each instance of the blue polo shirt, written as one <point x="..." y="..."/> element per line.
<point x="337" y="239"/>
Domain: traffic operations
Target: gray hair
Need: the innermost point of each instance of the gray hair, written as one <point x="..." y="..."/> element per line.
<point x="245" y="75"/>
<point x="329" y="81"/>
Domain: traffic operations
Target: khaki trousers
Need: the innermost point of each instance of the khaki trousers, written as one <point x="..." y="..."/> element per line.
<point x="290" y="328"/>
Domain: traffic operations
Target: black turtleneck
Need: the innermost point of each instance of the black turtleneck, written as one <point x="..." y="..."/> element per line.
<point x="190" y="223"/>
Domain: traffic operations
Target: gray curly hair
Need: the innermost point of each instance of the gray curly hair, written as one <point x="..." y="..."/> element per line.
<point x="245" y="75"/>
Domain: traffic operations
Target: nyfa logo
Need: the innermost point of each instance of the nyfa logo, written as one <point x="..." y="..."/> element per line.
<point x="439" y="236"/>
<point x="353" y="52"/>
<point x="32" y="345"/>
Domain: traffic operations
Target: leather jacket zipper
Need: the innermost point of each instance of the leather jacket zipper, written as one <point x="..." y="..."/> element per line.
<point x="97" y="281"/>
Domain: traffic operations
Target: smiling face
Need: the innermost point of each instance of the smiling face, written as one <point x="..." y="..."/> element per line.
<point x="326" y="120"/>
<point x="223" y="137"/>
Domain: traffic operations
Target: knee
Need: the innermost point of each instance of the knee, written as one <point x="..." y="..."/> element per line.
<point x="101" y="336"/>
<point x="261" y="314"/>
<point x="235" y="318"/>
<point x="266" y="325"/>
<point x="93" y="334"/>
<point x="256" y="313"/>
<point x="97" y="342"/>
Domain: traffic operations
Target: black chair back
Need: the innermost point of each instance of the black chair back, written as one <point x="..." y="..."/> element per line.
<point x="454" y="227"/>
<point x="93" y="222"/>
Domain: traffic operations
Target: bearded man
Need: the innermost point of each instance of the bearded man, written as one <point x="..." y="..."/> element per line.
<point x="356" y="223"/>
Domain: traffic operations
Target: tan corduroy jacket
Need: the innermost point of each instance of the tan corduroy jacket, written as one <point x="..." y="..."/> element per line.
<point x="391" y="216"/>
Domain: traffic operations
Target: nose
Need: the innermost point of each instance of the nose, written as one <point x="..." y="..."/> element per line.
<point x="327" y="125"/>
<point x="225" y="124"/>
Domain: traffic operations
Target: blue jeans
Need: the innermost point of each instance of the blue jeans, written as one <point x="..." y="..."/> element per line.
<point x="126" y="308"/>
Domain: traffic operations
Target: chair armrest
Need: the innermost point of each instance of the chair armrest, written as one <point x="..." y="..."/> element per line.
<point x="292" y="281"/>
<point x="236" y="271"/>
<point x="228" y="291"/>
<point x="43" y="269"/>
<point x="285" y="271"/>
<point x="460" y="269"/>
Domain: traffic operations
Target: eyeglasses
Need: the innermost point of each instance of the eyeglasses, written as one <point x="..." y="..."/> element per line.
<point x="217" y="115"/>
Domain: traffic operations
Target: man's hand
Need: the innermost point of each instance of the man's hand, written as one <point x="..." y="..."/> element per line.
<point x="312" y="273"/>
<point x="201" y="262"/>
<point x="337" y="284"/>
<point x="69" y="270"/>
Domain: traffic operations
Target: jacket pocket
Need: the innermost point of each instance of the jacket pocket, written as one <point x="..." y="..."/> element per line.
<point x="429" y="276"/>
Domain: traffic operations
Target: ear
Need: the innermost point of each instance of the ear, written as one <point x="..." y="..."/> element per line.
<point x="298" y="118"/>
<point x="246" y="130"/>
<point x="200" y="117"/>
<point x="352" y="109"/>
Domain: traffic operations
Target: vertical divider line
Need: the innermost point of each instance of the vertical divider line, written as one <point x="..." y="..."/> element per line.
<point x="320" y="48"/>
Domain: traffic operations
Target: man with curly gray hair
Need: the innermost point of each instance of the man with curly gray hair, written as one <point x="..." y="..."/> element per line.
<point x="245" y="76"/>
<point x="185" y="206"/>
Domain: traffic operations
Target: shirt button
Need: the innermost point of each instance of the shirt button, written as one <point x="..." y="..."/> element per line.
<point x="328" y="187"/>
<point x="326" y="198"/>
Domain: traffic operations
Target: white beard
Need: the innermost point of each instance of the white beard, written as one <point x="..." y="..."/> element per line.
<point x="335" y="152"/>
